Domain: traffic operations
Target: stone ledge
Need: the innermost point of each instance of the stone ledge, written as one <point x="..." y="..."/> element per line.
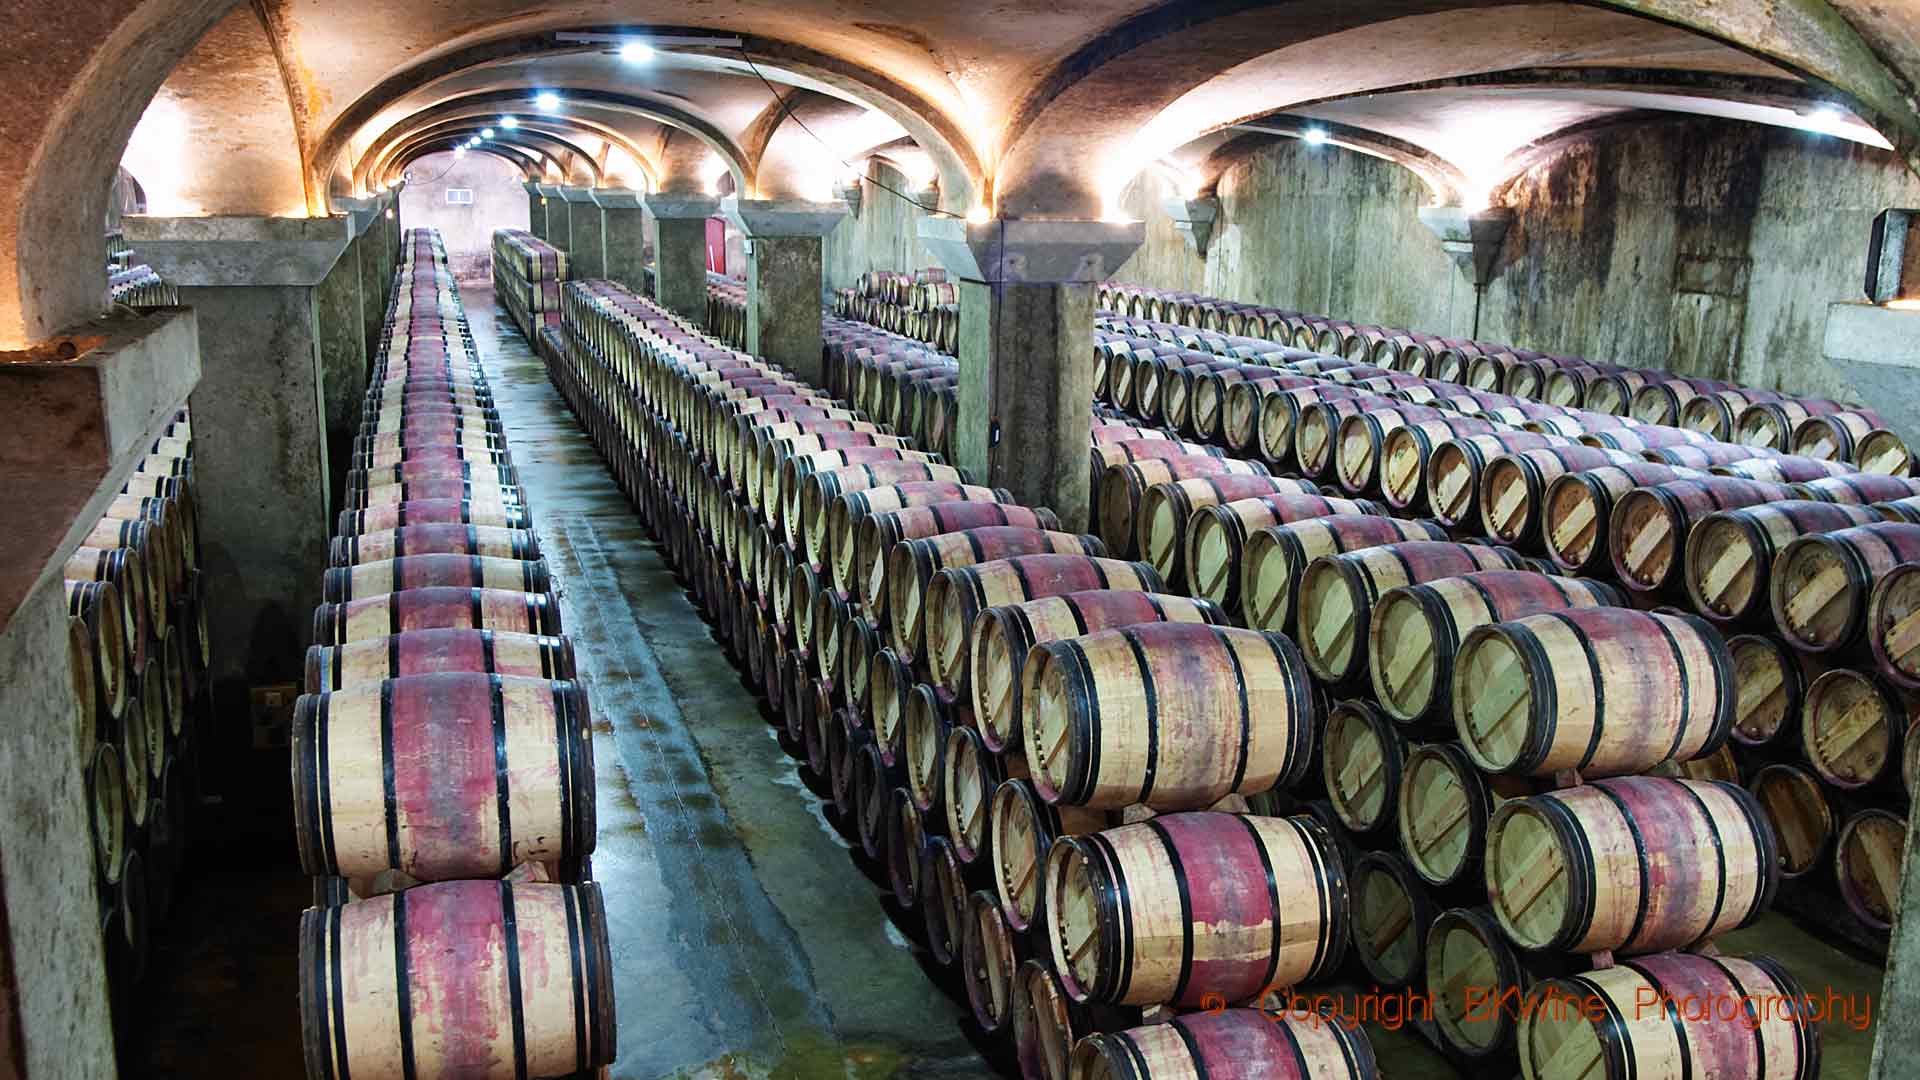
<point x="1031" y="250"/>
<point x="679" y="206"/>
<point x="216" y="251"/>
<point x="775" y="218"/>
<point x="77" y="431"/>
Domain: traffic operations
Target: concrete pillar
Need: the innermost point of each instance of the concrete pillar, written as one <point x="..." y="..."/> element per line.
<point x="536" y="210"/>
<point x="623" y="233"/>
<point x="680" y="250"/>
<point x="1026" y="349"/>
<point x="559" y="215"/>
<point x="280" y="365"/>
<point x="785" y="284"/>
<point x="586" y="235"/>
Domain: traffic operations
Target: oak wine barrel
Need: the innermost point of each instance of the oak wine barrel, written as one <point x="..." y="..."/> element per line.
<point x="426" y="652"/>
<point x="1183" y="906"/>
<point x="1633" y="864"/>
<point x="1278" y="555"/>
<point x="1647" y="534"/>
<point x="1883" y="452"/>
<point x="1729" y="554"/>
<point x="1047" y="1024"/>
<point x="1444" y="806"/>
<point x="1850" y="730"/>
<point x="489" y="541"/>
<point x="1163" y="715"/>
<point x="990" y="956"/>
<point x="1393" y="912"/>
<point x="1577" y="507"/>
<point x="1166" y="510"/>
<point x="1477" y="979"/>
<point x="1859" y="488"/>
<point x="1023" y="827"/>
<point x="1834" y="436"/>
<point x="860" y="569"/>
<point x="911" y="567"/>
<point x="1455" y="469"/>
<point x="1893" y="624"/>
<point x="943" y="899"/>
<point x="930" y="722"/>
<point x="441" y="607"/>
<point x="1821" y="583"/>
<point x="1124" y="486"/>
<point x="1217" y="537"/>
<point x="1797" y="809"/>
<point x="1770" y="682"/>
<point x="433" y="512"/>
<point x="970" y="773"/>
<point x="1513" y="487"/>
<point x="96" y="604"/>
<point x="1229" y="1044"/>
<point x="1866" y="862"/>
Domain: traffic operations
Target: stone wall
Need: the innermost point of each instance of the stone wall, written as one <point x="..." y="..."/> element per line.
<point x="1702" y="246"/>
<point x="884" y="235"/>
<point x="499" y="202"/>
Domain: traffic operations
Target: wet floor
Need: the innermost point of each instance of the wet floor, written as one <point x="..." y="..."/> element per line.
<point x="748" y="942"/>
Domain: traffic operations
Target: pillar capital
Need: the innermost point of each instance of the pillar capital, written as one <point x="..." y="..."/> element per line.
<point x="533" y="186"/>
<point x="1032" y="251"/>
<point x="360" y="213"/>
<point x="548" y="191"/>
<point x="248" y="251"/>
<point x="760" y="218"/>
<point x="616" y="198"/>
<point x="677" y="205"/>
<point x="577" y="194"/>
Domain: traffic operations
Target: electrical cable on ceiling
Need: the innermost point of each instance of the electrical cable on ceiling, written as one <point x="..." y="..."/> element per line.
<point x="787" y="108"/>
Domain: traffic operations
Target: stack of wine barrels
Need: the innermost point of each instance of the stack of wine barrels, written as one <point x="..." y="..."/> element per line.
<point x="442" y="753"/>
<point x="140" y="286"/>
<point x="138" y="652"/>
<point x="912" y="388"/>
<point x="922" y="305"/>
<point x="727" y="309"/>
<point x="527" y="272"/>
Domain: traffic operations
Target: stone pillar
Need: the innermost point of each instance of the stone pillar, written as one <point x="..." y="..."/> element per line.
<point x="586" y="236"/>
<point x="536" y="210"/>
<point x="1026" y="349"/>
<point x="623" y="232"/>
<point x="680" y="250"/>
<point x="281" y="363"/>
<point x="785" y="285"/>
<point x="559" y="216"/>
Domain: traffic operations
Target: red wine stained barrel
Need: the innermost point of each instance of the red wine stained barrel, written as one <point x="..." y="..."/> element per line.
<point x="958" y="594"/>
<point x="807" y="531"/>
<point x="1851" y="728"/>
<point x="1406" y="451"/>
<point x="1703" y="455"/>
<point x="1603" y="690"/>
<point x="912" y="565"/>
<point x="1003" y="635"/>
<point x="428" y="652"/>
<point x="1123" y="486"/>
<point x="1217" y="537"/>
<point x="1635" y="864"/>
<point x="860" y="569"/>
<point x="1513" y="488"/>
<point x="1416" y="630"/>
<point x="1730" y="554"/>
<point x="346" y="583"/>
<point x="1648" y="533"/>
<point x="1617" y="1040"/>
<point x="1866" y="864"/>
<point x="353" y="549"/>
<point x="1784" y="469"/>
<point x="1797" y="809"/>
<point x="433" y="512"/>
<point x="411" y="775"/>
<point x="1167" y="509"/>
<point x="1445" y="803"/>
<point x="1834" y="436"/>
<point x="1185" y="906"/>
<point x="1577" y="507"/>
<point x="1893" y="624"/>
<point x="1278" y="555"/>
<point x="1821" y="583"/>
<point x="1455" y="469"/>
<point x="435" y="609"/>
<point x="1234" y="1044"/>
<point x="486" y="980"/>
<point x="1164" y="714"/>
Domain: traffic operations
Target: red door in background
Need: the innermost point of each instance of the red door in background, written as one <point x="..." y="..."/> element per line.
<point x="716" y="245"/>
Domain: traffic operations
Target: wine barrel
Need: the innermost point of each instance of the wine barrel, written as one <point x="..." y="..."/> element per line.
<point x="1416" y="629"/>
<point x="434" y="489"/>
<point x="1278" y="555"/>
<point x="1866" y="862"/>
<point x="354" y="549"/>
<point x="1821" y="583"/>
<point x="426" y="652"/>
<point x="990" y="955"/>
<point x="906" y="838"/>
<point x="1850" y="730"/>
<point x="1363" y="442"/>
<point x="1338" y="592"/>
<point x="1393" y="912"/>
<point x="1217" y="537"/>
<point x="1106" y="455"/>
<point x="1590" y="1026"/>
<point x="1633" y="864"/>
<point x="958" y="594"/>
<point x="1796" y="808"/>
<point x="1729" y="554"/>
<point x="1603" y="690"/>
<point x="869" y="785"/>
<point x="1316" y="440"/>
<point x="911" y="567"/>
<point x="808" y="530"/>
<point x="433" y="512"/>
<point x="1023" y="827"/>
<point x="1278" y="426"/>
<point x="1123" y="486"/>
<point x="1513" y="487"/>
<point x="861" y="568"/>
<point x="1160" y="536"/>
<point x="441" y="607"/>
<point x="97" y="605"/>
<point x="1406" y="451"/>
<point x="484" y="979"/>
<point x="1770" y="684"/>
<point x="930" y="721"/>
<point x="107" y="811"/>
<point x="1477" y="980"/>
<point x="1578" y="505"/>
<point x="1858" y="488"/>
<point x="1635" y="440"/>
<point x="124" y="567"/>
<point x="1663" y="401"/>
<point x="1455" y="469"/>
<point x="1162" y="714"/>
<point x="890" y="686"/>
<point x="970" y="773"/>
<point x="1171" y="909"/>
<point x="82" y="685"/>
<point x="400" y="776"/>
<point x="943" y="900"/>
<point x="1004" y="635"/>
<point x="1228" y="1044"/>
<point x="153" y="724"/>
<point x="1884" y="453"/>
<point x="1047" y="1024"/>
<point x="1834" y="436"/>
<point x="1893" y="624"/>
<point x="1648" y="531"/>
<point x="1444" y="806"/>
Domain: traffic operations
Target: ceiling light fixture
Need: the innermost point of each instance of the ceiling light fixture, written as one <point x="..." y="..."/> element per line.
<point x="636" y="52"/>
<point x="653" y="40"/>
<point x="1316" y="135"/>
<point x="509" y="122"/>
<point x="547" y="100"/>
<point x="486" y="133"/>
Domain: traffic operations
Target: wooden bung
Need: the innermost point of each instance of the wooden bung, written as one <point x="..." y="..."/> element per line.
<point x="1187" y="906"/>
<point x="1605" y="691"/>
<point x="1561" y="1035"/>
<point x="1164" y="715"/>
<point x="1630" y="865"/>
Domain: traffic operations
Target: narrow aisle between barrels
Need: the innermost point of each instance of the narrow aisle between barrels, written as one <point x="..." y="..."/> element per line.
<point x="744" y="943"/>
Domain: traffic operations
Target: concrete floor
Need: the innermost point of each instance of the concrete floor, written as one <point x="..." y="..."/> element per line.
<point x="747" y="940"/>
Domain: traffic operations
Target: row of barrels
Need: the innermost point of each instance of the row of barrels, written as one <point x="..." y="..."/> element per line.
<point x="727" y="309"/>
<point x="139" y="286"/>
<point x="785" y="620"/>
<point x="527" y="273"/>
<point x="1462" y="695"/>
<point x="443" y="773"/>
<point x="137" y="655"/>
<point x="912" y="388"/>
<point x="1804" y="426"/>
<point x="931" y="315"/>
